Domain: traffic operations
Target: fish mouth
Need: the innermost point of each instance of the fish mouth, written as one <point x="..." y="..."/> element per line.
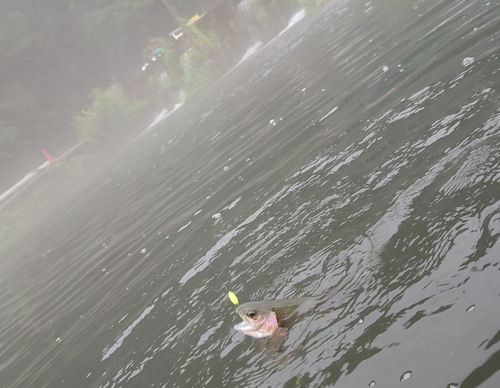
<point x="243" y="326"/>
<point x="248" y="329"/>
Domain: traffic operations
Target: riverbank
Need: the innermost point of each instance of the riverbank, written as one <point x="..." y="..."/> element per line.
<point x="46" y="186"/>
<point x="34" y="175"/>
<point x="44" y="189"/>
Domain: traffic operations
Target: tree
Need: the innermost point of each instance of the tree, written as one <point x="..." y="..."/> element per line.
<point x="110" y="117"/>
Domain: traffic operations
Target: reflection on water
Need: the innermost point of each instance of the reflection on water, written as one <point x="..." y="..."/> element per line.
<point x="355" y="158"/>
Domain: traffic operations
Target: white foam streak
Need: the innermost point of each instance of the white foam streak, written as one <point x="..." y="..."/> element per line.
<point x="119" y="341"/>
<point x="295" y="19"/>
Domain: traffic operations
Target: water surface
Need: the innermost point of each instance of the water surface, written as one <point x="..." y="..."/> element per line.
<point x="358" y="151"/>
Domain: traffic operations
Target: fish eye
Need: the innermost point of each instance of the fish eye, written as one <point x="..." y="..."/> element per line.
<point x="252" y="314"/>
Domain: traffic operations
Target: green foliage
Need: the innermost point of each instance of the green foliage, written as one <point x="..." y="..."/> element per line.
<point x="237" y="27"/>
<point x="263" y="17"/>
<point x="200" y="71"/>
<point x="202" y="61"/>
<point x="208" y="42"/>
<point x="164" y="77"/>
<point x="172" y="63"/>
<point x="199" y="79"/>
<point x="110" y="116"/>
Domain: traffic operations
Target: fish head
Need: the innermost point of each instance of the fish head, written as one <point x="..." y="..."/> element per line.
<point x="257" y="322"/>
<point x="265" y="318"/>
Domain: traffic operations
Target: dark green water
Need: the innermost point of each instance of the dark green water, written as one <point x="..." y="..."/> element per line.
<point x="356" y="151"/>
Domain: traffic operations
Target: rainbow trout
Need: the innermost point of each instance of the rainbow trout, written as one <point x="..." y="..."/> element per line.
<point x="265" y="318"/>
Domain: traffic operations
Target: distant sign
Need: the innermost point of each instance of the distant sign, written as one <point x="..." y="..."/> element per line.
<point x="177" y="33"/>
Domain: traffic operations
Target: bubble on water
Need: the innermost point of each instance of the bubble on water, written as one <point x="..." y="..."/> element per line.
<point x="58" y="339"/>
<point x="470" y="308"/>
<point x="385" y="69"/>
<point x="143" y="250"/>
<point x="467" y="61"/>
<point x="372" y="383"/>
<point x="405" y="376"/>
<point x="226" y="168"/>
<point x="452" y="385"/>
<point x="361" y="320"/>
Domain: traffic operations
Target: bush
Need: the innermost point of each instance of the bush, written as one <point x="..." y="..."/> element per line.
<point x="200" y="71"/>
<point x="111" y="115"/>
